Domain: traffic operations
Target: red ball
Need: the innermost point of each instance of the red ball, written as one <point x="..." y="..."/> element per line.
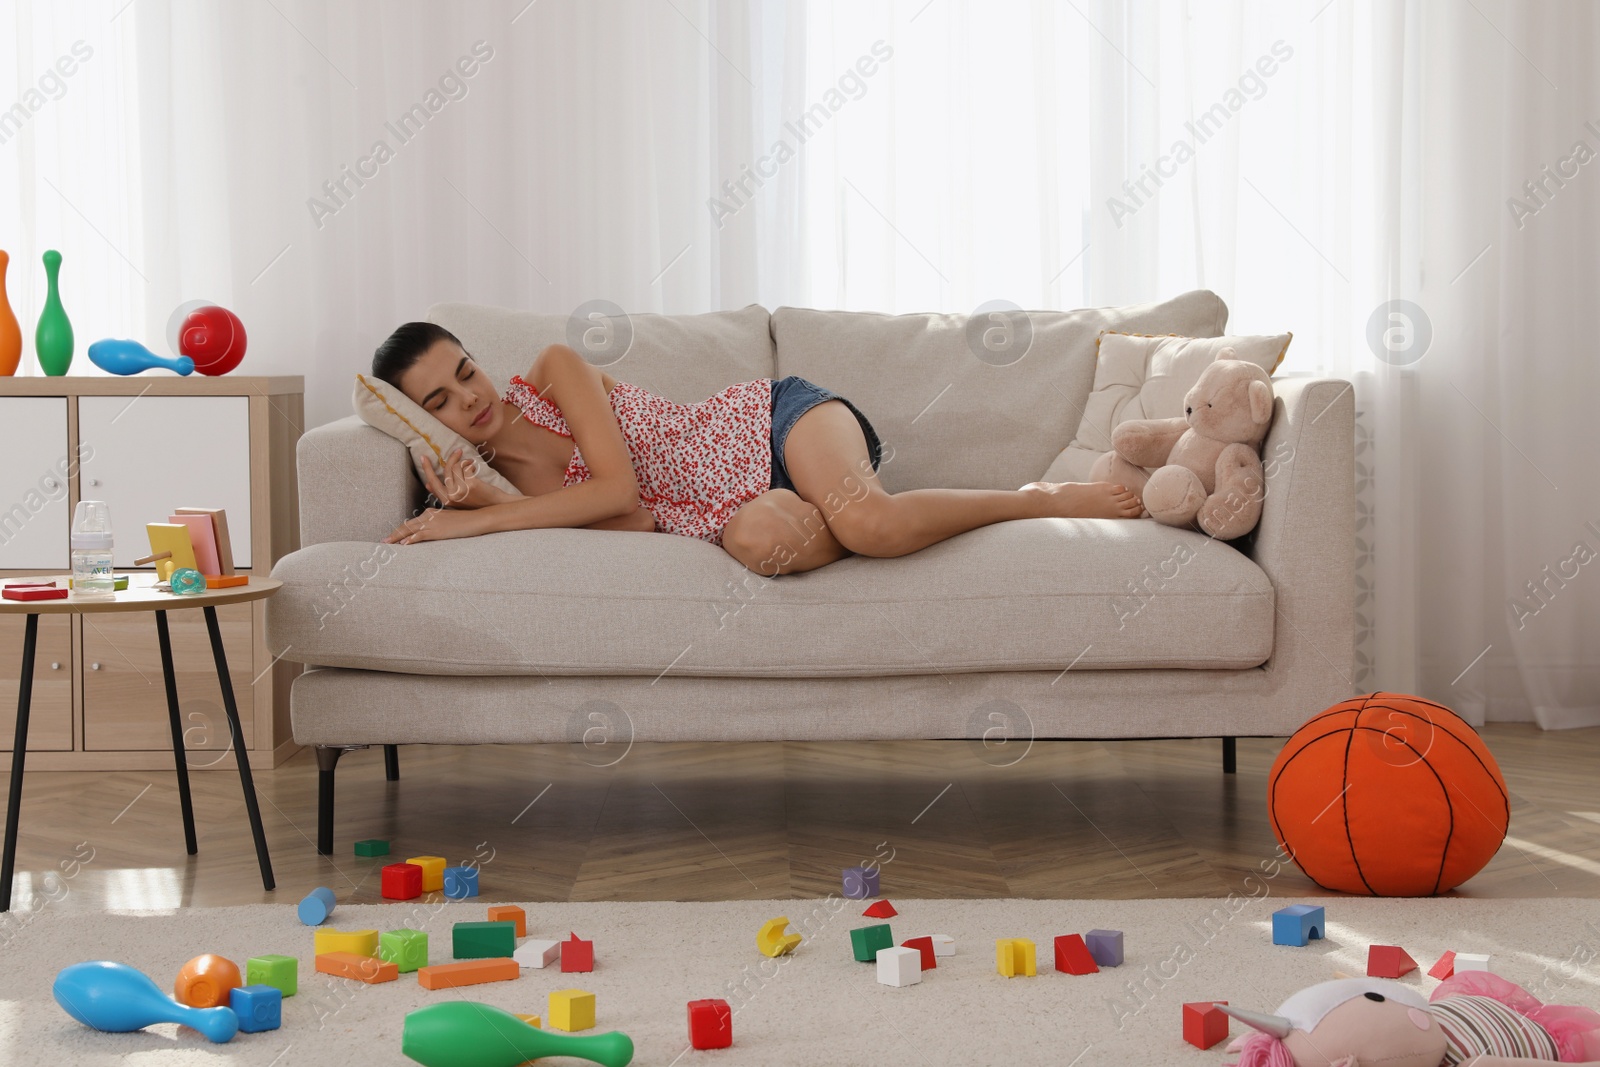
<point x="1388" y="795"/>
<point x="214" y="338"/>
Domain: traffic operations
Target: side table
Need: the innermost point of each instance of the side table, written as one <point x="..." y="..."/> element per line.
<point x="141" y="595"/>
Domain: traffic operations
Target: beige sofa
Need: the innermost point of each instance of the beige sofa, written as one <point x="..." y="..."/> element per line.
<point x="1031" y="629"/>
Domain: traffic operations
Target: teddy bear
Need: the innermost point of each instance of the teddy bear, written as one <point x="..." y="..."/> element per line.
<point x="1204" y="466"/>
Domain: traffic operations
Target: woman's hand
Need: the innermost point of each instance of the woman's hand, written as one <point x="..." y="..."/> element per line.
<point x="435" y="524"/>
<point x="460" y="487"/>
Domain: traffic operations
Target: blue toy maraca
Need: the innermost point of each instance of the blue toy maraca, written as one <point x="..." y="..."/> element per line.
<point x="131" y="357"/>
<point x="117" y="998"/>
<point x="186" y="581"/>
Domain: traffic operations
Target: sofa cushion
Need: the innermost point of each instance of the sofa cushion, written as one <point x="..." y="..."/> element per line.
<point x="681" y="357"/>
<point x="1034" y="594"/>
<point x="971" y="402"/>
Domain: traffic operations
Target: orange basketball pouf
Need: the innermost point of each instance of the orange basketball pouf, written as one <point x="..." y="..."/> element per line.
<point x="1388" y="795"/>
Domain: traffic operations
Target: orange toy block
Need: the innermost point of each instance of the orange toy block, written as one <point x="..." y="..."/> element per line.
<point x="206" y="981"/>
<point x="1388" y="961"/>
<point x="362" y="968"/>
<point x="510" y="913"/>
<point x="1445" y="967"/>
<point x="224" y="581"/>
<point x="468" y="972"/>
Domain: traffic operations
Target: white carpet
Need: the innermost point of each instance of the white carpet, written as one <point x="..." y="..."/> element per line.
<point x="819" y="1008"/>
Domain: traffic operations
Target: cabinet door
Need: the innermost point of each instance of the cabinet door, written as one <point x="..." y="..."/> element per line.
<point x="38" y="460"/>
<point x="125" y="698"/>
<point x="50" y="708"/>
<point x="145" y="455"/>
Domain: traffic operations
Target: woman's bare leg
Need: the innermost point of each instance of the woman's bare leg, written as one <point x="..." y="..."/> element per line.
<point x="778" y="533"/>
<point x="826" y="456"/>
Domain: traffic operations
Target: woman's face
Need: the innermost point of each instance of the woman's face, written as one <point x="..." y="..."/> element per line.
<point x="453" y="389"/>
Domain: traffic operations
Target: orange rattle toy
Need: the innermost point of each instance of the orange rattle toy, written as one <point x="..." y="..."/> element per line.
<point x="204" y="982"/>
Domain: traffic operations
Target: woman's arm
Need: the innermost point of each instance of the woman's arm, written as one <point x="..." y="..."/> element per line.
<point x="642" y="520"/>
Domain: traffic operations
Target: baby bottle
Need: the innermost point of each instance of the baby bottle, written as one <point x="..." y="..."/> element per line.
<point x="91" y="550"/>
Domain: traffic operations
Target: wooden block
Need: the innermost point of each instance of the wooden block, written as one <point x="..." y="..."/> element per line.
<point x="372" y="846"/>
<point x="535" y="953"/>
<point x="367" y="969"/>
<point x="710" y="1024"/>
<point x="1389" y="961"/>
<point x="219" y="527"/>
<point x="432" y="872"/>
<point x="280" y="972"/>
<point x="510" y="913"/>
<point x="943" y="944"/>
<point x="468" y="972"/>
<point x="880" y="909"/>
<point x="1472" y="961"/>
<point x="405" y="947"/>
<point x="1204" y="1024"/>
<point x="899" y="966"/>
<point x="1072" y="956"/>
<point x="1105" y="946"/>
<point x="577" y="955"/>
<point x="202" y="539"/>
<point x="865" y="941"/>
<point x="531" y="1020"/>
<point x="361" y="942"/>
<point x="860" y="882"/>
<point x="571" y="1009"/>
<point x="1444" y="968"/>
<point x="174" y="538"/>
<point x="1297" y="924"/>
<point x="226" y="581"/>
<point x="35" y="594"/>
<point x="400" y="881"/>
<point x="924" y="945"/>
<point x="1015" y="956"/>
<point x="771" y="939"/>
<point x="483" y="940"/>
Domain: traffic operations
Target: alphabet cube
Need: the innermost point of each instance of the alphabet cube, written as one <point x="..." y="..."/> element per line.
<point x="1297" y="924"/>
<point x="899" y="966"/>
<point x="1072" y="955"/>
<point x="860" y="882"/>
<point x="483" y="940"/>
<point x="432" y="872"/>
<point x="532" y="953"/>
<point x="259" y="1007"/>
<point x="577" y="955"/>
<point x="460" y="882"/>
<point x="865" y="941"/>
<point x="571" y="1009"/>
<point x="1105" y="946"/>
<point x="1014" y="956"/>
<point x="407" y="949"/>
<point x="1388" y="961"/>
<point x="710" y="1024"/>
<point x="372" y="847"/>
<point x="923" y="945"/>
<point x="1204" y="1024"/>
<point x="280" y="972"/>
<point x="510" y="913"/>
<point x="401" y="881"/>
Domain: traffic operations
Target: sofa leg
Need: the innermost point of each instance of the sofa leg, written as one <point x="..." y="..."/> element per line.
<point x="391" y="762"/>
<point x="1230" y="755"/>
<point x="327" y="758"/>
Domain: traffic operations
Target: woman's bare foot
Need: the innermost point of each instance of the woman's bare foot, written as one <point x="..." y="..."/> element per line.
<point x="1085" y="500"/>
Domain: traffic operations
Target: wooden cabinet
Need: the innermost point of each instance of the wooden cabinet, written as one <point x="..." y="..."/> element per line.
<point x="146" y="444"/>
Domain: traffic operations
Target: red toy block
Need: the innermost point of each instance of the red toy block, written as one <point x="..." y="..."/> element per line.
<point x="1445" y="967"/>
<point x="710" y="1024"/>
<point x="1072" y="955"/>
<point x="880" y="909"/>
<point x="25" y="593"/>
<point x="577" y="954"/>
<point x="1204" y="1024"/>
<point x="1388" y="961"/>
<point x="923" y="945"/>
<point x="401" y="881"/>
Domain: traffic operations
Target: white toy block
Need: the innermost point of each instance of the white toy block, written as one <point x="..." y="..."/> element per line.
<point x="540" y="954"/>
<point x="899" y="966"/>
<point x="944" y="945"/>
<point x="1472" y="961"/>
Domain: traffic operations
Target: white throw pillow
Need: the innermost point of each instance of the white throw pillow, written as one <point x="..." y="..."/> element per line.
<point x="383" y="406"/>
<point x="1139" y="376"/>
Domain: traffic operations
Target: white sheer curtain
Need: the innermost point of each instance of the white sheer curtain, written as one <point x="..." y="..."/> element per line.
<point x="1310" y="162"/>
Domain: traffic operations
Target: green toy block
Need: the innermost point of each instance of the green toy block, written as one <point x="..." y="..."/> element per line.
<point x="483" y="940"/>
<point x="406" y="948"/>
<point x="280" y="972"/>
<point x="372" y="847"/>
<point x="865" y="941"/>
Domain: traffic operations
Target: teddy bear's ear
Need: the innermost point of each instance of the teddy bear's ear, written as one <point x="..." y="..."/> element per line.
<point x="1260" y="402"/>
<point x="1227" y="353"/>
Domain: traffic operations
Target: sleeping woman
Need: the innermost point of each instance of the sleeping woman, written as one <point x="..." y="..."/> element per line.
<point x="781" y="473"/>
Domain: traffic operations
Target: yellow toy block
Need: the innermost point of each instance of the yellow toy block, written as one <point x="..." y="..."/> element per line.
<point x="571" y="1009"/>
<point x="432" y="872"/>
<point x="531" y="1020"/>
<point x="172" y="537"/>
<point x="1014" y="956"/>
<point x="771" y="939"/>
<point x="361" y="942"/>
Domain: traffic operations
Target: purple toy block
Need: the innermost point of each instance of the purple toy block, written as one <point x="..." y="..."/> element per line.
<point x="860" y="882"/>
<point x="1105" y="946"/>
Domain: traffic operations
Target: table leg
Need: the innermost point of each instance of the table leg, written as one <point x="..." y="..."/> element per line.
<point x="178" y="755"/>
<point x="19" y="750"/>
<point x="239" y="753"/>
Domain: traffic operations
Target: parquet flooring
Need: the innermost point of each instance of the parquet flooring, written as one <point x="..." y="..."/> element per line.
<point x="1084" y="819"/>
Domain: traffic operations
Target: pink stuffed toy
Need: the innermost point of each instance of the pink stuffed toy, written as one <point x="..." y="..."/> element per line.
<point x="1474" y="1018"/>
<point x="1205" y="465"/>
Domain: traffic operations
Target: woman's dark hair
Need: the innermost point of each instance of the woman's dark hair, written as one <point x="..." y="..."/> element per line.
<point x="404" y="347"/>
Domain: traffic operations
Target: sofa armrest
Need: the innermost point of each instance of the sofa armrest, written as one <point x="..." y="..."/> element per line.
<point x="1305" y="540"/>
<point x="356" y="483"/>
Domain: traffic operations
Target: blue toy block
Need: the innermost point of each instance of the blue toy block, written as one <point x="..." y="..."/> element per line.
<point x="1105" y="946"/>
<point x="259" y="1007"/>
<point x="317" y="906"/>
<point x="1297" y="924"/>
<point x="460" y="882"/>
<point x="860" y="882"/>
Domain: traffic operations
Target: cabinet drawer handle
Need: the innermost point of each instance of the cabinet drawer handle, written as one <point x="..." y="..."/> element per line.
<point x="94" y="666"/>
<point x="94" y="481"/>
<point x="55" y="666"/>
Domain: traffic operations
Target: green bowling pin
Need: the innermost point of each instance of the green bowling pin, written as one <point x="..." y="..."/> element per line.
<point x="52" y="341"/>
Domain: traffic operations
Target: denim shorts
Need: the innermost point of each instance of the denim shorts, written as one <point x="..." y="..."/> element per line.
<point x="794" y="396"/>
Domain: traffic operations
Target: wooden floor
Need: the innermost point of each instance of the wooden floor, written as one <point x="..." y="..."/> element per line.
<point x="726" y="821"/>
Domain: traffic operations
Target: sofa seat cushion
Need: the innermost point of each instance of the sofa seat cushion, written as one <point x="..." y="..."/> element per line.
<point x="1034" y="594"/>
